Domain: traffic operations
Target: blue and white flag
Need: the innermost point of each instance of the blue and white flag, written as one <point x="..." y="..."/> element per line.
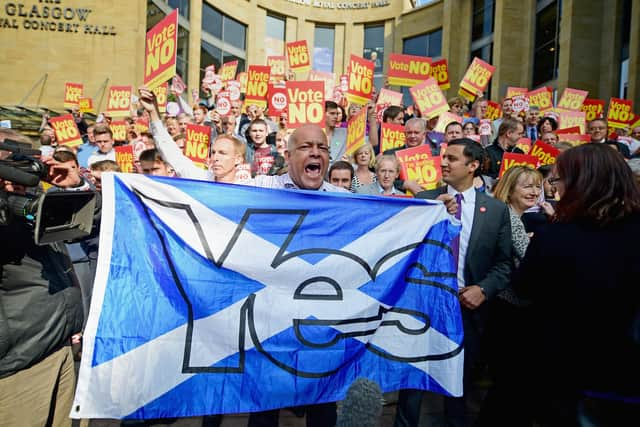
<point x="213" y="298"/>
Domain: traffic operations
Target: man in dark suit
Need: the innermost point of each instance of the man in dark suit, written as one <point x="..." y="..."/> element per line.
<point x="598" y="129"/>
<point x="509" y="132"/>
<point x="484" y="266"/>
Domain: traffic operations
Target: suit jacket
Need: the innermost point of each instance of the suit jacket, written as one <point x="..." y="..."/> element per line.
<point x="488" y="260"/>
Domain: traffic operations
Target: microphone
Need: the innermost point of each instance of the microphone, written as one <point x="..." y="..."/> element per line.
<point x="362" y="407"/>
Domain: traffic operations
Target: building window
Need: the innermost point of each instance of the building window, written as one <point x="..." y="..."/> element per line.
<point x="275" y="35"/>
<point x="624" y="51"/>
<point x="181" y="5"/>
<point x="429" y="44"/>
<point x="182" y="63"/>
<point x="545" y="56"/>
<point x="323" y="47"/>
<point x="424" y="45"/>
<point x="374" y="51"/>
<point x="211" y="21"/>
<point x="223" y="27"/>
<point x="223" y="40"/>
<point x="483" y="19"/>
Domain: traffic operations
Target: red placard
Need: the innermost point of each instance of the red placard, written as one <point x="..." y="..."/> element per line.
<point x="233" y="86"/>
<point x="242" y="78"/>
<point x="574" y="130"/>
<point x="391" y="136"/>
<point x="417" y="164"/>
<point x="329" y="80"/>
<point x="298" y="55"/>
<point x="356" y="130"/>
<point x="118" y="130"/>
<point x="196" y="145"/>
<point x="72" y="94"/>
<point x="440" y="72"/>
<point x="545" y="153"/>
<point x="277" y="67"/>
<point x="569" y="119"/>
<point x="477" y="77"/>
<point x="228" y="71"/>
<point x="161" y="93"/>
<point x="515" y="91"/>
<point x="360" y="80"/>
<point x="160" y="52"/>
<point x="257" y="85"/>
<point x="278" y="100"/>
<point x="141" y="125"/>
<point x="573" y="138"/>
<point x="119" y="101"/>
<point x="494" y="111"/>
<point x="620" y="112"/>
<point x="572" y="99"/>
<point x="408" y="70"/>
<point x="223" y="103"/>
<point x="510" y="160"/>
<point x="387" y="97"/>
<point x="306" y="103"/>
<point x="444" y="119"/>
<point x="593" y="108"/>
<point x="429" y="98"/>
<point x="524" y="144"/>
<point x="542" y="98"/>
<point x="66" y="130"/>
<point x="124" y="158"/>
<point x="85" y="105"/>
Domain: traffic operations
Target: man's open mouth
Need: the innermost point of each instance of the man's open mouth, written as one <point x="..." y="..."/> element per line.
<point x="313" y="169"/>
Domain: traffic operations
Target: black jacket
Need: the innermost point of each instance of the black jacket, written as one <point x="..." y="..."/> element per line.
<point x="495" y="153"/>
<point x="587" y="313"/>
<point x="40" y="304"/>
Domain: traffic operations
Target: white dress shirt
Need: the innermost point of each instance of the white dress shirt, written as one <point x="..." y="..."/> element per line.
<point x="468" y="210"/>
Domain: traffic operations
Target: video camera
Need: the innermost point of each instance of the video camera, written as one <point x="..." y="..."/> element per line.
<point x="58" y="215"/>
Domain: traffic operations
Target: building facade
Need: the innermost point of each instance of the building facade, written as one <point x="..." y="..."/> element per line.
<point x="586" y="44"/>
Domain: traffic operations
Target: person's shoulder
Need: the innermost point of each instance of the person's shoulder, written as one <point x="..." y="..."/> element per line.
<point x="367" y="189"/>
<point x="491" y="201"/>
<point x="327" y="186"/>
<point x="431" y="194"/>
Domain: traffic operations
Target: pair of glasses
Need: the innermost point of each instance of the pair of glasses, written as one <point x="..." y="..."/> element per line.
<point x="552" y="180"/>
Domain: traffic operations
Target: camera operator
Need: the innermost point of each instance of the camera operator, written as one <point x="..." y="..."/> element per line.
<point x="40" y="309"/>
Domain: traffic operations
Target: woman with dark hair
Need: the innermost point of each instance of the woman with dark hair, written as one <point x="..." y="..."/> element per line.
<point x="342" y="117"/>
<point x="583" y="359"/>
<point x="545" y="125"/>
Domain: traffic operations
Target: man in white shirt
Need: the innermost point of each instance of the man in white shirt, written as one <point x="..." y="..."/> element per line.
<point x="483" y="252"/>
<point x="104" y="141"/>
<point x="227" y="152"/>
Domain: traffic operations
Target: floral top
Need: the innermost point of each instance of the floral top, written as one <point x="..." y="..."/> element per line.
<point x="520" y="241"/>
<point x="355" y="182"/>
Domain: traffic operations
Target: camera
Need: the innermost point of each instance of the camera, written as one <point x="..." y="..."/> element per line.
<point x="55" y="215"/>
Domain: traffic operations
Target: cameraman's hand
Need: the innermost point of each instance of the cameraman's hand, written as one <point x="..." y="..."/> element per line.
<point x="63" y="175"/>
<point x="10" y="187"/>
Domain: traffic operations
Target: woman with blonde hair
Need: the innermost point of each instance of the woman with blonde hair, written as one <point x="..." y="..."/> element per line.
<point x="365" y="162"/>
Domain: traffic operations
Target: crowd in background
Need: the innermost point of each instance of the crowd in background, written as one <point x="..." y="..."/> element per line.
<point x="548" y="282"/>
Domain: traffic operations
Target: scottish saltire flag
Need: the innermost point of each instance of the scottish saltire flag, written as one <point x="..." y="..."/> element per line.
<point x="214" y="298"/>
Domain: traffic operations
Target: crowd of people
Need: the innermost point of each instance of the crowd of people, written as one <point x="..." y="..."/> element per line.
<point x="547" y="272"/>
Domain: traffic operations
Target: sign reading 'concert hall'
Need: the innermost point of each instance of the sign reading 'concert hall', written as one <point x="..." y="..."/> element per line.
<point x="57" y="16"/>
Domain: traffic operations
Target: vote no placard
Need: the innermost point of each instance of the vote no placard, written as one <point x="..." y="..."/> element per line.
<point x="161" y="46"/>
